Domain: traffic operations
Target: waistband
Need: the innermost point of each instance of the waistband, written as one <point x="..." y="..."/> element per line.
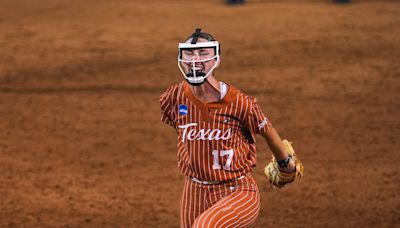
<point x="194" y="179"/>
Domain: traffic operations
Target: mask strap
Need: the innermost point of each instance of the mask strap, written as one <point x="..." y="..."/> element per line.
<point x="196" y="35"/>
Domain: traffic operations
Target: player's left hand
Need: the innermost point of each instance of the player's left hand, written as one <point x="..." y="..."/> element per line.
<point x="290" y="168"/>
<point x="279" y="177"/>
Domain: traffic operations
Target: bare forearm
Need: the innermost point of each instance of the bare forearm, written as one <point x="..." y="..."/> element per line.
<point x="278" y="149"/>
<point x="274" y="142"/>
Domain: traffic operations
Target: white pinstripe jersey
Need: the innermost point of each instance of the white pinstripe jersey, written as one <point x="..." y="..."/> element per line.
<point x="211" y="143"/>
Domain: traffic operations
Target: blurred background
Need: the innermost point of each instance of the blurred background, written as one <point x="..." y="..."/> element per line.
<point x="81" y="143"/>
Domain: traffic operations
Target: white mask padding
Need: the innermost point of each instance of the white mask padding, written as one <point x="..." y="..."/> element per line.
<point x="210" y="44"/>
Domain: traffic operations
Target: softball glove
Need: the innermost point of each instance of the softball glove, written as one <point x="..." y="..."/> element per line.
<point x="280" y="179"/>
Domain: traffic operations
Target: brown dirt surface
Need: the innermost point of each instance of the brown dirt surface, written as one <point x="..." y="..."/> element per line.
<point x="81" y="143"/>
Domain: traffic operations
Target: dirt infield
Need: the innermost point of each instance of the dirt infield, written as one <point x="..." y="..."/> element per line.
<point x="81" y="143"/>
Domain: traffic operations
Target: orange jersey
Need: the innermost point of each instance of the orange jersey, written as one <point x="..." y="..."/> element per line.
<point x="213" y="143"/>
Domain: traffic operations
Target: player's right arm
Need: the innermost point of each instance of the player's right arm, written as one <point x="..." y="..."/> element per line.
<point x="166" y="105"/>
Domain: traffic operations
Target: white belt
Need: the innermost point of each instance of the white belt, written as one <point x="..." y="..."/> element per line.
<point x="216" y="182"/>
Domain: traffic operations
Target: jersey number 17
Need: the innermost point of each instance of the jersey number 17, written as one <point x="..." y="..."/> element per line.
<point x="216" y="154"/>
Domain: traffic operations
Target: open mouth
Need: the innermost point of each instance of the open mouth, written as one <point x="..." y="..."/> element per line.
<point x="198" y="74"/>
<point x="197" y="67"/>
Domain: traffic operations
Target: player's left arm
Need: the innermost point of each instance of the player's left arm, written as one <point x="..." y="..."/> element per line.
<point x="278" y="149"/>
<point x="284" y="166"/>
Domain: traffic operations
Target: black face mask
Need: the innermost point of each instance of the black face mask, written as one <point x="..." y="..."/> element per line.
<point x="198" y="73"/>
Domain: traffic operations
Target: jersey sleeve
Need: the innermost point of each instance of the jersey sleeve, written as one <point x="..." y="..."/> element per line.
<point x="259" y="123"/>
<point x="166" y="106"/>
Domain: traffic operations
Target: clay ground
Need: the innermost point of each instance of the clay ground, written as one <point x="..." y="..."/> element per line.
<point x="81" y="143"/>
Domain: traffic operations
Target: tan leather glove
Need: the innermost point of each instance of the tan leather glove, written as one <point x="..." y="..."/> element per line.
<point x="280" y="179"/>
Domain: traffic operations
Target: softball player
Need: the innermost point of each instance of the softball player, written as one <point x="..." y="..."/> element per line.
<point x="216" y="124"/>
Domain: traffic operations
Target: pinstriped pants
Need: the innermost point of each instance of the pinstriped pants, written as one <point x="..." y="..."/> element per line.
<point x="233" y="204"/>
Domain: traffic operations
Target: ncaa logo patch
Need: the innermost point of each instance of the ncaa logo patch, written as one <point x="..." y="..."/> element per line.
<point x="183" y="109"/>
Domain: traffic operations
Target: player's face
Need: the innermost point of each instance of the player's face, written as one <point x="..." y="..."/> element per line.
<point x="198" y="55"/>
